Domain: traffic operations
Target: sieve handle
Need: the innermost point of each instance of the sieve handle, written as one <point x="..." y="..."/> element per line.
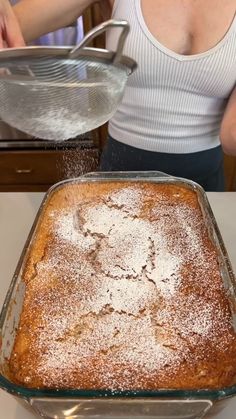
<point x="98" y="31"/>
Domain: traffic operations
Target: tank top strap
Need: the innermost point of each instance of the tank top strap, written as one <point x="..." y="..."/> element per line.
<point x="115" y="5"/>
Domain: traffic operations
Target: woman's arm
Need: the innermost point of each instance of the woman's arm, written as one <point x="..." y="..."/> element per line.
<point x="10" y="33"/>
<point x="38" y="17"/>
<point x="228" y="126"/>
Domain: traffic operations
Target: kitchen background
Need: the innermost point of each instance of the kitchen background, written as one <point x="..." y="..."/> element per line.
<point x="27" y="164"/>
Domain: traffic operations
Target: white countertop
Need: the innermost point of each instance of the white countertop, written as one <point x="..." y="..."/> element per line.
<point x="17" y="212"/>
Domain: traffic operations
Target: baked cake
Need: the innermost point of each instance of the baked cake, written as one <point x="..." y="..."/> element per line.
<point x="124" y="292"/>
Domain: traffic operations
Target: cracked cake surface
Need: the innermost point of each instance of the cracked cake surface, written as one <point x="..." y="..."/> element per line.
<point x="124" y="292"/>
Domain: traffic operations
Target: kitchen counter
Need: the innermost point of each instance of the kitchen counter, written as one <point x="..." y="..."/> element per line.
<point x="17" y="212"/>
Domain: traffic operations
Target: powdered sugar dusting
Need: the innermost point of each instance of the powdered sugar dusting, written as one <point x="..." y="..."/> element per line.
<point x="128" y="199"/>
<point x="66" y="229"/>
<point x="124" y="295"/>
<point x="134" y="292"/>
<point x="126" y="244"/>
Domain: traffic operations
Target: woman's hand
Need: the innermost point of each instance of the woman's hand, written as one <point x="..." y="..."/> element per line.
<point x="10" y="33"/>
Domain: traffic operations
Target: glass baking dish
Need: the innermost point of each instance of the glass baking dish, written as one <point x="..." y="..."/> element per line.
<point x="166" y="404"/>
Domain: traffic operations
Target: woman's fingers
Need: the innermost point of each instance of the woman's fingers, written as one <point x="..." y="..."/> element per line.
<point x="13" y="35"/>
<point x="10" y="33"/>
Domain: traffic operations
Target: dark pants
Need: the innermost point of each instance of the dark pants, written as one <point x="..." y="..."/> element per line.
<point x="204" y="167"/>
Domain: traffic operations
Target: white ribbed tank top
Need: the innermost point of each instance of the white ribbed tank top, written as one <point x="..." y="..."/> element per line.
<point x="173" y="103"/>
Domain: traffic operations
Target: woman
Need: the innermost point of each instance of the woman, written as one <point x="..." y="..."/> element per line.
<point x="10" y="33"/>
<point x="179" y="107"/>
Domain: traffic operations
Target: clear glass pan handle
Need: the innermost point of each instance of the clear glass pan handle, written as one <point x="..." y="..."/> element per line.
<point x="120" y="408"/>
<point x="149" y="175"/>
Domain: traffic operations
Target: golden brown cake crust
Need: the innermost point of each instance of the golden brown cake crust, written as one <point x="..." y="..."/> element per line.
<point x="123" y="291"/>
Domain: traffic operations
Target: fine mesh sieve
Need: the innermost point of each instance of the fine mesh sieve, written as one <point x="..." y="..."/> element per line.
<point x="57" y="93"/>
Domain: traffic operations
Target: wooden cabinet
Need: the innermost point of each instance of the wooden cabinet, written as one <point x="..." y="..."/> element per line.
<point x="230" y="173"/>
<point x="37" y="170"/>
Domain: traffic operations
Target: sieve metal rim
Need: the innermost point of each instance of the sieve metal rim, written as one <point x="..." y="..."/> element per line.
<point x="81" y="51"/>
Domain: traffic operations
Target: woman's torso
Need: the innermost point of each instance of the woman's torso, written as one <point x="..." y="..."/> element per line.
<point x="187" y="26"/>
<point x="186" y="57"/>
